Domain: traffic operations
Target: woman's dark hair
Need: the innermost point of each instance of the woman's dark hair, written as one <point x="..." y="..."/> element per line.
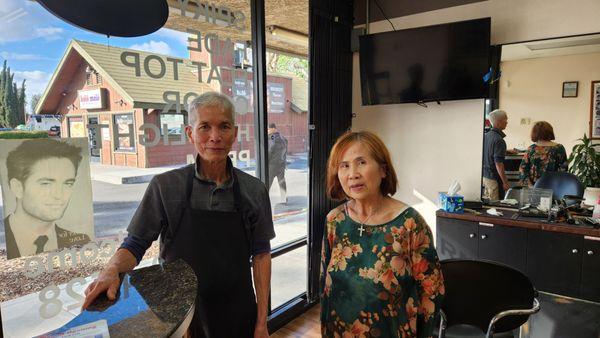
<point x="542" y="131"/>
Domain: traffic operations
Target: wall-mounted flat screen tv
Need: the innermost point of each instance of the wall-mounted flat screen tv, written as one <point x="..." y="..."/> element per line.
<point x="425" y="64"/>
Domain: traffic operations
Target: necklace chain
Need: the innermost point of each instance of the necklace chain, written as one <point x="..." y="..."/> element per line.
<point x="363" y="223"/>
<point x="369" y="217"/>
<point x="373" y="212"/>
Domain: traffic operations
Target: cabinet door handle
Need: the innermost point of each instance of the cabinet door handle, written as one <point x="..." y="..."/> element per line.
<point x="484" y="236"/>
<point x="574" y="251"/>
<point x="486" y="224"/>
<point x="471" y="235"/>
<point x="590" y="252"/>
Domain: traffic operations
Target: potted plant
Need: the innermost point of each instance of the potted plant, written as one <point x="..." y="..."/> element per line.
<point x="584" y="162"/>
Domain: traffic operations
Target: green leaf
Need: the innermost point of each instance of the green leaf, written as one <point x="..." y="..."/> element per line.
<point x="584" y="162"/>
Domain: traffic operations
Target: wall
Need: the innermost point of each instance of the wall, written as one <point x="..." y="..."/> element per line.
<point x="417" y="135"/>
<point x="535" y="92"/>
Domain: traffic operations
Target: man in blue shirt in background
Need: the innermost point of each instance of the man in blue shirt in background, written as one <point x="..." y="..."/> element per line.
<point x="495" y="182"/>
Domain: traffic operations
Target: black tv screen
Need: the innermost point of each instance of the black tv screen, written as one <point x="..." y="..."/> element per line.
<point x="434" y="63"/>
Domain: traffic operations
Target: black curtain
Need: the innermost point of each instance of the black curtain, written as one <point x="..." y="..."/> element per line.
<point x="331" y="24"/>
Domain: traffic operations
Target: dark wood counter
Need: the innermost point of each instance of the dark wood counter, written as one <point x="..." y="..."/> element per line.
<point x="512" y="219"/>
<point x="154" y="301"/>
<point x="559" y="258"/>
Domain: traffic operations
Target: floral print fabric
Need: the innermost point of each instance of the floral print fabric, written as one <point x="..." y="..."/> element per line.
<point x="385" y="283"/>
<point x="539" y="159"/>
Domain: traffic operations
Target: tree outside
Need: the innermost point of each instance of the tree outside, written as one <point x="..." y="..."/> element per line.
<point x="12" y="99"/>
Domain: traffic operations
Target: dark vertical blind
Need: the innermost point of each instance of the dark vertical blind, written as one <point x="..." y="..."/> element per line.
<point x="331" y="24"/>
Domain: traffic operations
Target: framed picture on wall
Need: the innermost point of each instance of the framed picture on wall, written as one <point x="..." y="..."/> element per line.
<point x="570" y="88"/>
<point x="595" y="111"/>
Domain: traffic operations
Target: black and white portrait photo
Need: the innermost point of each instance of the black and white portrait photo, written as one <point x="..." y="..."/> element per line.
<point x="46" y="193"/>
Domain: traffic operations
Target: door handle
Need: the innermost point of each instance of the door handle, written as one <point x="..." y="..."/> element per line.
<point x="590" y="252"/>
<point x="484" y="236"/>
<point x="486" y="224"/>
<point x="574" y="251"/>
<point x="471" y="235"/>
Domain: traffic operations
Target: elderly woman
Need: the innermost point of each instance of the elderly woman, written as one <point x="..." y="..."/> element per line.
<point x="380" y="274"/>
<point x="543" y="155"/>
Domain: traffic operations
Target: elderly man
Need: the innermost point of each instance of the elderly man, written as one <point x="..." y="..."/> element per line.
<point x="495" y="182"/>
<point x="41" y="174"/>
<point x="213" y="216"/>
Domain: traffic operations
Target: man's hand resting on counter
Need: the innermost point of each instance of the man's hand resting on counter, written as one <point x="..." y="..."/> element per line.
<point x="108" y="281"/>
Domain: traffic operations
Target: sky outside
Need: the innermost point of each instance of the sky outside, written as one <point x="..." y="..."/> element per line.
<point x="33" y="41"/>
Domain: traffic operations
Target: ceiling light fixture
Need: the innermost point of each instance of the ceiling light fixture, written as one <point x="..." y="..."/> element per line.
<point x="124" y="18"/>
<point x="564" y="44"/>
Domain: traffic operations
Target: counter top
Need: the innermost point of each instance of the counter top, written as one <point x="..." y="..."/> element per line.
<point x="512" y="218"/>
<point x="154" y="301"/>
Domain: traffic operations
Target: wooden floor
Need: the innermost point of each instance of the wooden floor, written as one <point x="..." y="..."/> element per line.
<point x="307" y="325"/>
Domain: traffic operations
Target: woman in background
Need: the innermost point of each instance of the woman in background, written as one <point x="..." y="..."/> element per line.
<point x="380" y="274"/>
<point x="543" y="155"/>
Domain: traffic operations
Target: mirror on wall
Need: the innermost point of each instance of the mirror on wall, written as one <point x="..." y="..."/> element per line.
<point x="549" y="80"/>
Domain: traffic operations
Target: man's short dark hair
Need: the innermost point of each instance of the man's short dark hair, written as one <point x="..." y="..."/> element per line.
<point x="20" y="160"/>
<point x="272" y="126"/>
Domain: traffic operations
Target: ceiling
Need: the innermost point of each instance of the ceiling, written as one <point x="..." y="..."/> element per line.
<point x="288" y="14"/>
<point x="554" y="47"/>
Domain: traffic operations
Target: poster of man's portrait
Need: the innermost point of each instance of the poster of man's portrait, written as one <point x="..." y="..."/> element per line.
<point x="47" y="195"/>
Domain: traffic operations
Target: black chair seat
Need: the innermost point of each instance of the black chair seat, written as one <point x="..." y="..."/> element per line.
<point x="477" y="291"/>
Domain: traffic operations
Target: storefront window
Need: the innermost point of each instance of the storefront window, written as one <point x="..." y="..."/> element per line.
<point x="76" y="127"/>
<point x="121" y="104"/>
<point x="124" y="136"/>
<point x="172" y="124"/>
<point x="288" y="137"/>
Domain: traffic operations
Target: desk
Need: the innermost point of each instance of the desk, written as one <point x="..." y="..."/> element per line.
<point x="509" y="218"/>
<point x="559" y="258"/>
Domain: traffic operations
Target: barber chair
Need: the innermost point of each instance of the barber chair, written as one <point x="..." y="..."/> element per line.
<point x="484" y="299"/>
<point x="564" y="186"/>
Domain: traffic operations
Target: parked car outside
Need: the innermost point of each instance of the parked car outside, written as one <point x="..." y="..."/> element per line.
<point x="54" y="131"/>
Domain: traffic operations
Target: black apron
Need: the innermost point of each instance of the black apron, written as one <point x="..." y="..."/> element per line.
<point x="217" y="245"/>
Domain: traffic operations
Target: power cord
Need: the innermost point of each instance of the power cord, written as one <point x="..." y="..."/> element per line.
<point x="385" y="16"/>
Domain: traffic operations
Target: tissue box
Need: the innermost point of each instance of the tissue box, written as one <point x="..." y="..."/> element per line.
<point x="454" y="203"/>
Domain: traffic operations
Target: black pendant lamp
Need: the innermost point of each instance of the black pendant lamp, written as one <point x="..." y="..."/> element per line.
<point x="125" y="18"/>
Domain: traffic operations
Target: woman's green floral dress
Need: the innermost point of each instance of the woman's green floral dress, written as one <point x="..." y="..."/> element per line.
<point x="385" y="283"/>
<point x="539" y="159"/>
